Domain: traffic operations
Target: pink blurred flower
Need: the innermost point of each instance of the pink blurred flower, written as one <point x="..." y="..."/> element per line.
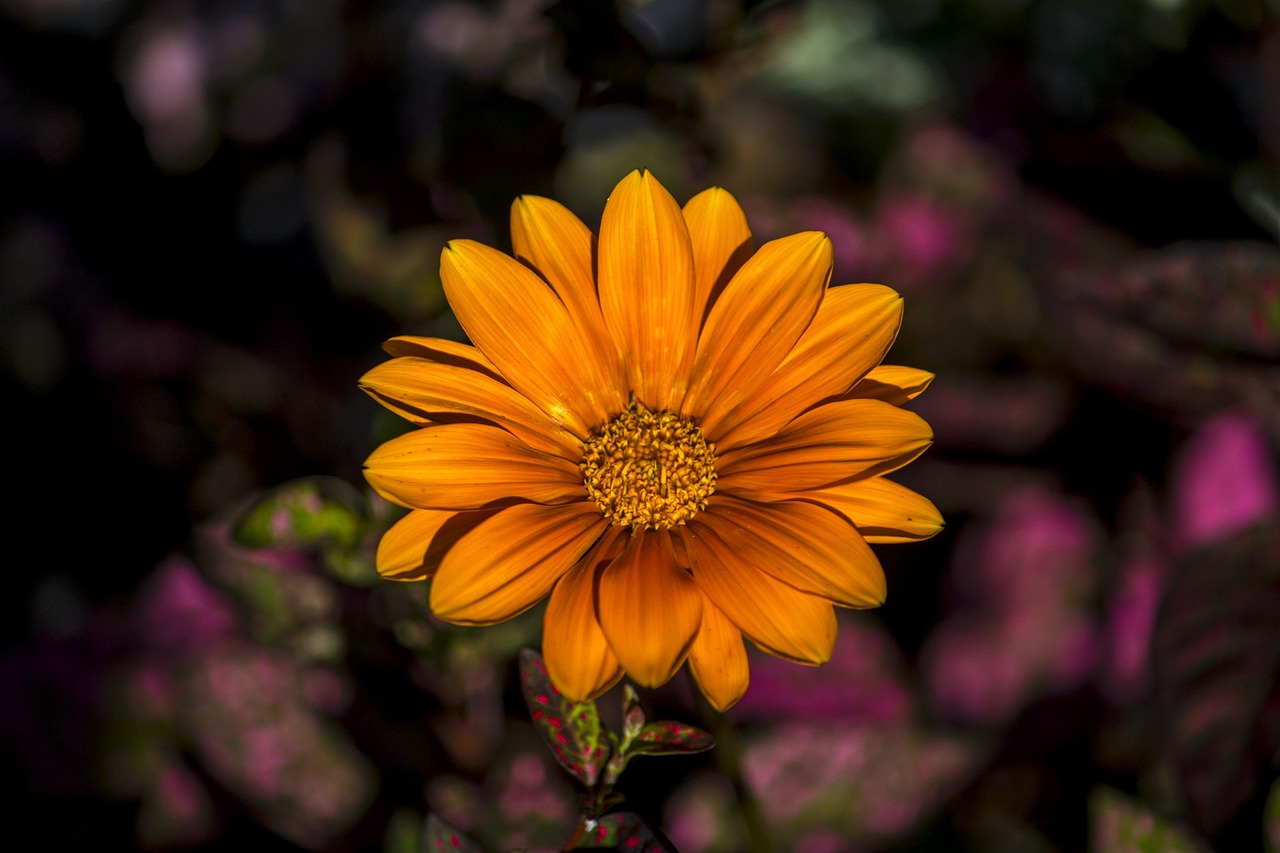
<point x="176" y="811"/>
<point x="1131" y="619"/>
<point x="1026" y="629"/>
<point x="862" y="681"/>
<point x="1224" y="480"/>
<point x="925" y="242"/>
<point x="861" y="781"/>
<point x="180" y="611"/>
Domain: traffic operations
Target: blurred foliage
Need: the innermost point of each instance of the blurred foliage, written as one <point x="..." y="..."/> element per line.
<point x="214" y="211"/>
<point x="1121" y="825"/>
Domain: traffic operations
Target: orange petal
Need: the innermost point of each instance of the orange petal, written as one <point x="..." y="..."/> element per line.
<point x="649" y="609"/>
<point x="754" y="324"/>
<point x="778" y="618"/>
<point x="852" y="331"/>
<point x="506" y="564"/>
<point x="718" y="660"/>
<point x="412" y="549"/>
<point x="422" y="390"/>
<point x="721" y="245"/>
<point x="646" y="279"/>
<point x="443" y="351"/>
<point x="467" y="466"/>
<point x="893" y="384"/>
<point x="517" y="321"/>
<point x="547" y="235"/>
<point x="836" y="442"/>
<point x="801" y="544"/>
<point x="576" y="652"/>
<point x="883" y="511"/>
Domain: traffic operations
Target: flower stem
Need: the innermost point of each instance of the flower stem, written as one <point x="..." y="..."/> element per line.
<point x="728" y="755"/>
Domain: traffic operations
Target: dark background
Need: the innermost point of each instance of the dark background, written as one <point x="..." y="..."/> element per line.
<point x="213" y="212"/>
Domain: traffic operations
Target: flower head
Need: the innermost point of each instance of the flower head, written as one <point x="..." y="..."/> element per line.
<point x="678" y="439"/>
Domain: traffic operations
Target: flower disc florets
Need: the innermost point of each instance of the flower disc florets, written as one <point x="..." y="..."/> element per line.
<point x="649" y="469"/>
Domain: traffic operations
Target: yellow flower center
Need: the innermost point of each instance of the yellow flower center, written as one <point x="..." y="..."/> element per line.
<point x="649" y="469"/>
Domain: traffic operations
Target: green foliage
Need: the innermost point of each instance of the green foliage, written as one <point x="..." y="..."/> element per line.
<point x="322" y="514"/>
<point x="571" y="729"/>
<point x="583" y="747"/>
<point x="303" y="513"/>
<point x="1119" y="824"/>
<point x="658" y="738"/>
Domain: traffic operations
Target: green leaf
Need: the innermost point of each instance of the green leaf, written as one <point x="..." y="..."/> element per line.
<point x="667" y="737"/>
<point x="439" y="837"/>
<point x="664" y="737"/>
<point x="1120" y="824"/>
<point x="571" y="729"/>
<point x="350" y="565"/>
<point x="622" y="830"/>
<point x="303" y="513"/>
<point x="404" y="833"/>
<point x="632" y="714"/>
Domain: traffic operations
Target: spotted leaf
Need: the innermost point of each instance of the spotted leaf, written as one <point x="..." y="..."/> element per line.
<point x="622" y="831"/>
<point x="1216" y="666"/>
<point x="667" y="737"/>
<point x="632" y="714"/>
<point x="571" y="729"/>
<point x="439" y="837"/>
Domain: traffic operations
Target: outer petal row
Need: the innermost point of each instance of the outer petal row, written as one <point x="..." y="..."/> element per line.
<point x="442" y="351"/>
<point x="515" y="319"/>
<point x="414" y="546"/>
<point x="422" y="390"/>
<point x="721" y="245"/>
<point x="840" y="441"/>
<point x="804" y="545"/>
<point x="718" y="658"/>
<point x="883" y="511"/>
<point x="776" y="617"/>
<point x="754" y="325"/>
<point x="893" y="384"/>
<point x="852" y="331"/>
<point x="509" y="561"/>
<point x="468" y="466"/>
<point x="649" y="608"/>
<point x="646" y="281"/>
<point x="577" y="654"/>
<point x="553" y="241"/>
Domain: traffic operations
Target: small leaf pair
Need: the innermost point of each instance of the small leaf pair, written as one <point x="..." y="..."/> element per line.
<point x="578" y="740"/>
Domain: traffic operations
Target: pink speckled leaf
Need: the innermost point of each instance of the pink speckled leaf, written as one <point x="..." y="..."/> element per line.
<point x="632" y="714"/>
<point x="571" y="729"/>
<point x="440" y="837"/>
<point x="1216" y="666"/>
<point x="1225" y="295"/>
<point x="622" y="831"/>
<point x="1194" y="329"/>
<point x="666" y="737"/>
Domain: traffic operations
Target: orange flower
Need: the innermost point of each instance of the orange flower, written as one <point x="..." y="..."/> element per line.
<point x="681" y="440"/>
